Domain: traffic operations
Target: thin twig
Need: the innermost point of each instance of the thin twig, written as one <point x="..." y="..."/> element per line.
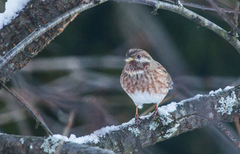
<point x="203" y="7"/>
<point x="225" y="17"/>
<point x="69" y="125"/>
<point x="236" y="10"/>
<point x="34" y="115"/>
<point x="66" y="131"/>
<point x="191" y="16"/>
<point x="236" y="16"/>
<point x="228" y="133"/>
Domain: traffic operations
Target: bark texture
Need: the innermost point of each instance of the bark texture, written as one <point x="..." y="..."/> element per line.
<point x="35" y="14"/>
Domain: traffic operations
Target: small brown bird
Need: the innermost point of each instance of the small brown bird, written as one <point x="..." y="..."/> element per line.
<point x="144" y="80"/>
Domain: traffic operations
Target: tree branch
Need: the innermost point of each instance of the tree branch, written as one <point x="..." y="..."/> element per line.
<point x="30" y="144"/>
<point x="32" y="34"/>
<point x="40" y="31"/>
<point x="207" y="8"/>
<point x="175" y="118"/>
<point x="235" y="17"/>
<point x="224" y="16"/>
<point x="31" y="38"/>
<point x="199" y="20"/>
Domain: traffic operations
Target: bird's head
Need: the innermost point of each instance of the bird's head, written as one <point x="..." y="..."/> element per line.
<point x="138" y="59"/>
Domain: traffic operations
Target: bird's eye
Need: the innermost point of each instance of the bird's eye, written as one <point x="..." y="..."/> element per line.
<point x="138" y="56"/>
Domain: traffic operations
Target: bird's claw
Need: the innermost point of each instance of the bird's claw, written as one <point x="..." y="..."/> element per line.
<point x="155" y="113"/>
<point x="137" y="119"/>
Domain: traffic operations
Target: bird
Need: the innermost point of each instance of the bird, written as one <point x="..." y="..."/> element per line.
<point x="144" y="80"/>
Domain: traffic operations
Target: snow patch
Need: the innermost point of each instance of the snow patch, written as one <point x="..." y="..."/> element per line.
<point x="210" y="115"/>
<point x="132" y="121"/>
<point x="12" y="8"/>
<point x="83" y="139"/>
<point x="22" y="140"/>
<point x="182" y="111"/>
<point x="196" y="97"/>
<point x="228" y="88"/>
<point x="163" y="111"/>
<point x="171" y="132"/>
<point x="220" y="90"/>
<point x="166" y="120"/>
<point x="166" y="109"/>
<point x="214" y="92"/>
<point x="94" y="137"/>
<point x="226" y="104"/>
<point x="135" y="131"/>
<point x="31" y="147"/>
<point x="171" y="107"/>
<point x="103" y="131"/>
<point x="49" y="145"/>
<point x="153" y="125"/>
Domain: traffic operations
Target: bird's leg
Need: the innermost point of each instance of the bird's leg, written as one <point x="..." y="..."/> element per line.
<point x="155" y="112"/>
<point x="137" y="119"/>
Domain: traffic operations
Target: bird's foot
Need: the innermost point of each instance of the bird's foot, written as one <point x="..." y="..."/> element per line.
<point x="137" y="119"/>
<point x="155" y="113"/>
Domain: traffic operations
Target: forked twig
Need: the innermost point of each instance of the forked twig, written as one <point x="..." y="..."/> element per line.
<point x="32" y="113"/>
<point x="224" y="16"/>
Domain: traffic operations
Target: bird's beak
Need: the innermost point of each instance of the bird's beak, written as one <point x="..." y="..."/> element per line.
<point x="128" y="59"/>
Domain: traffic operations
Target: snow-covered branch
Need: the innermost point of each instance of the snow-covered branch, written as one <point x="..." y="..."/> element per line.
<point x="51" y="145"/>
<point x="30" y="35"/>
<point x="175" y="118"/>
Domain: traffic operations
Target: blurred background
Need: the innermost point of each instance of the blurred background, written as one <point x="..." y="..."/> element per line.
<point x="77" y="74"/>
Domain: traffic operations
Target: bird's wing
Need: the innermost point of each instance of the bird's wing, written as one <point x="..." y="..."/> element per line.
<point x="159" y="68"/>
